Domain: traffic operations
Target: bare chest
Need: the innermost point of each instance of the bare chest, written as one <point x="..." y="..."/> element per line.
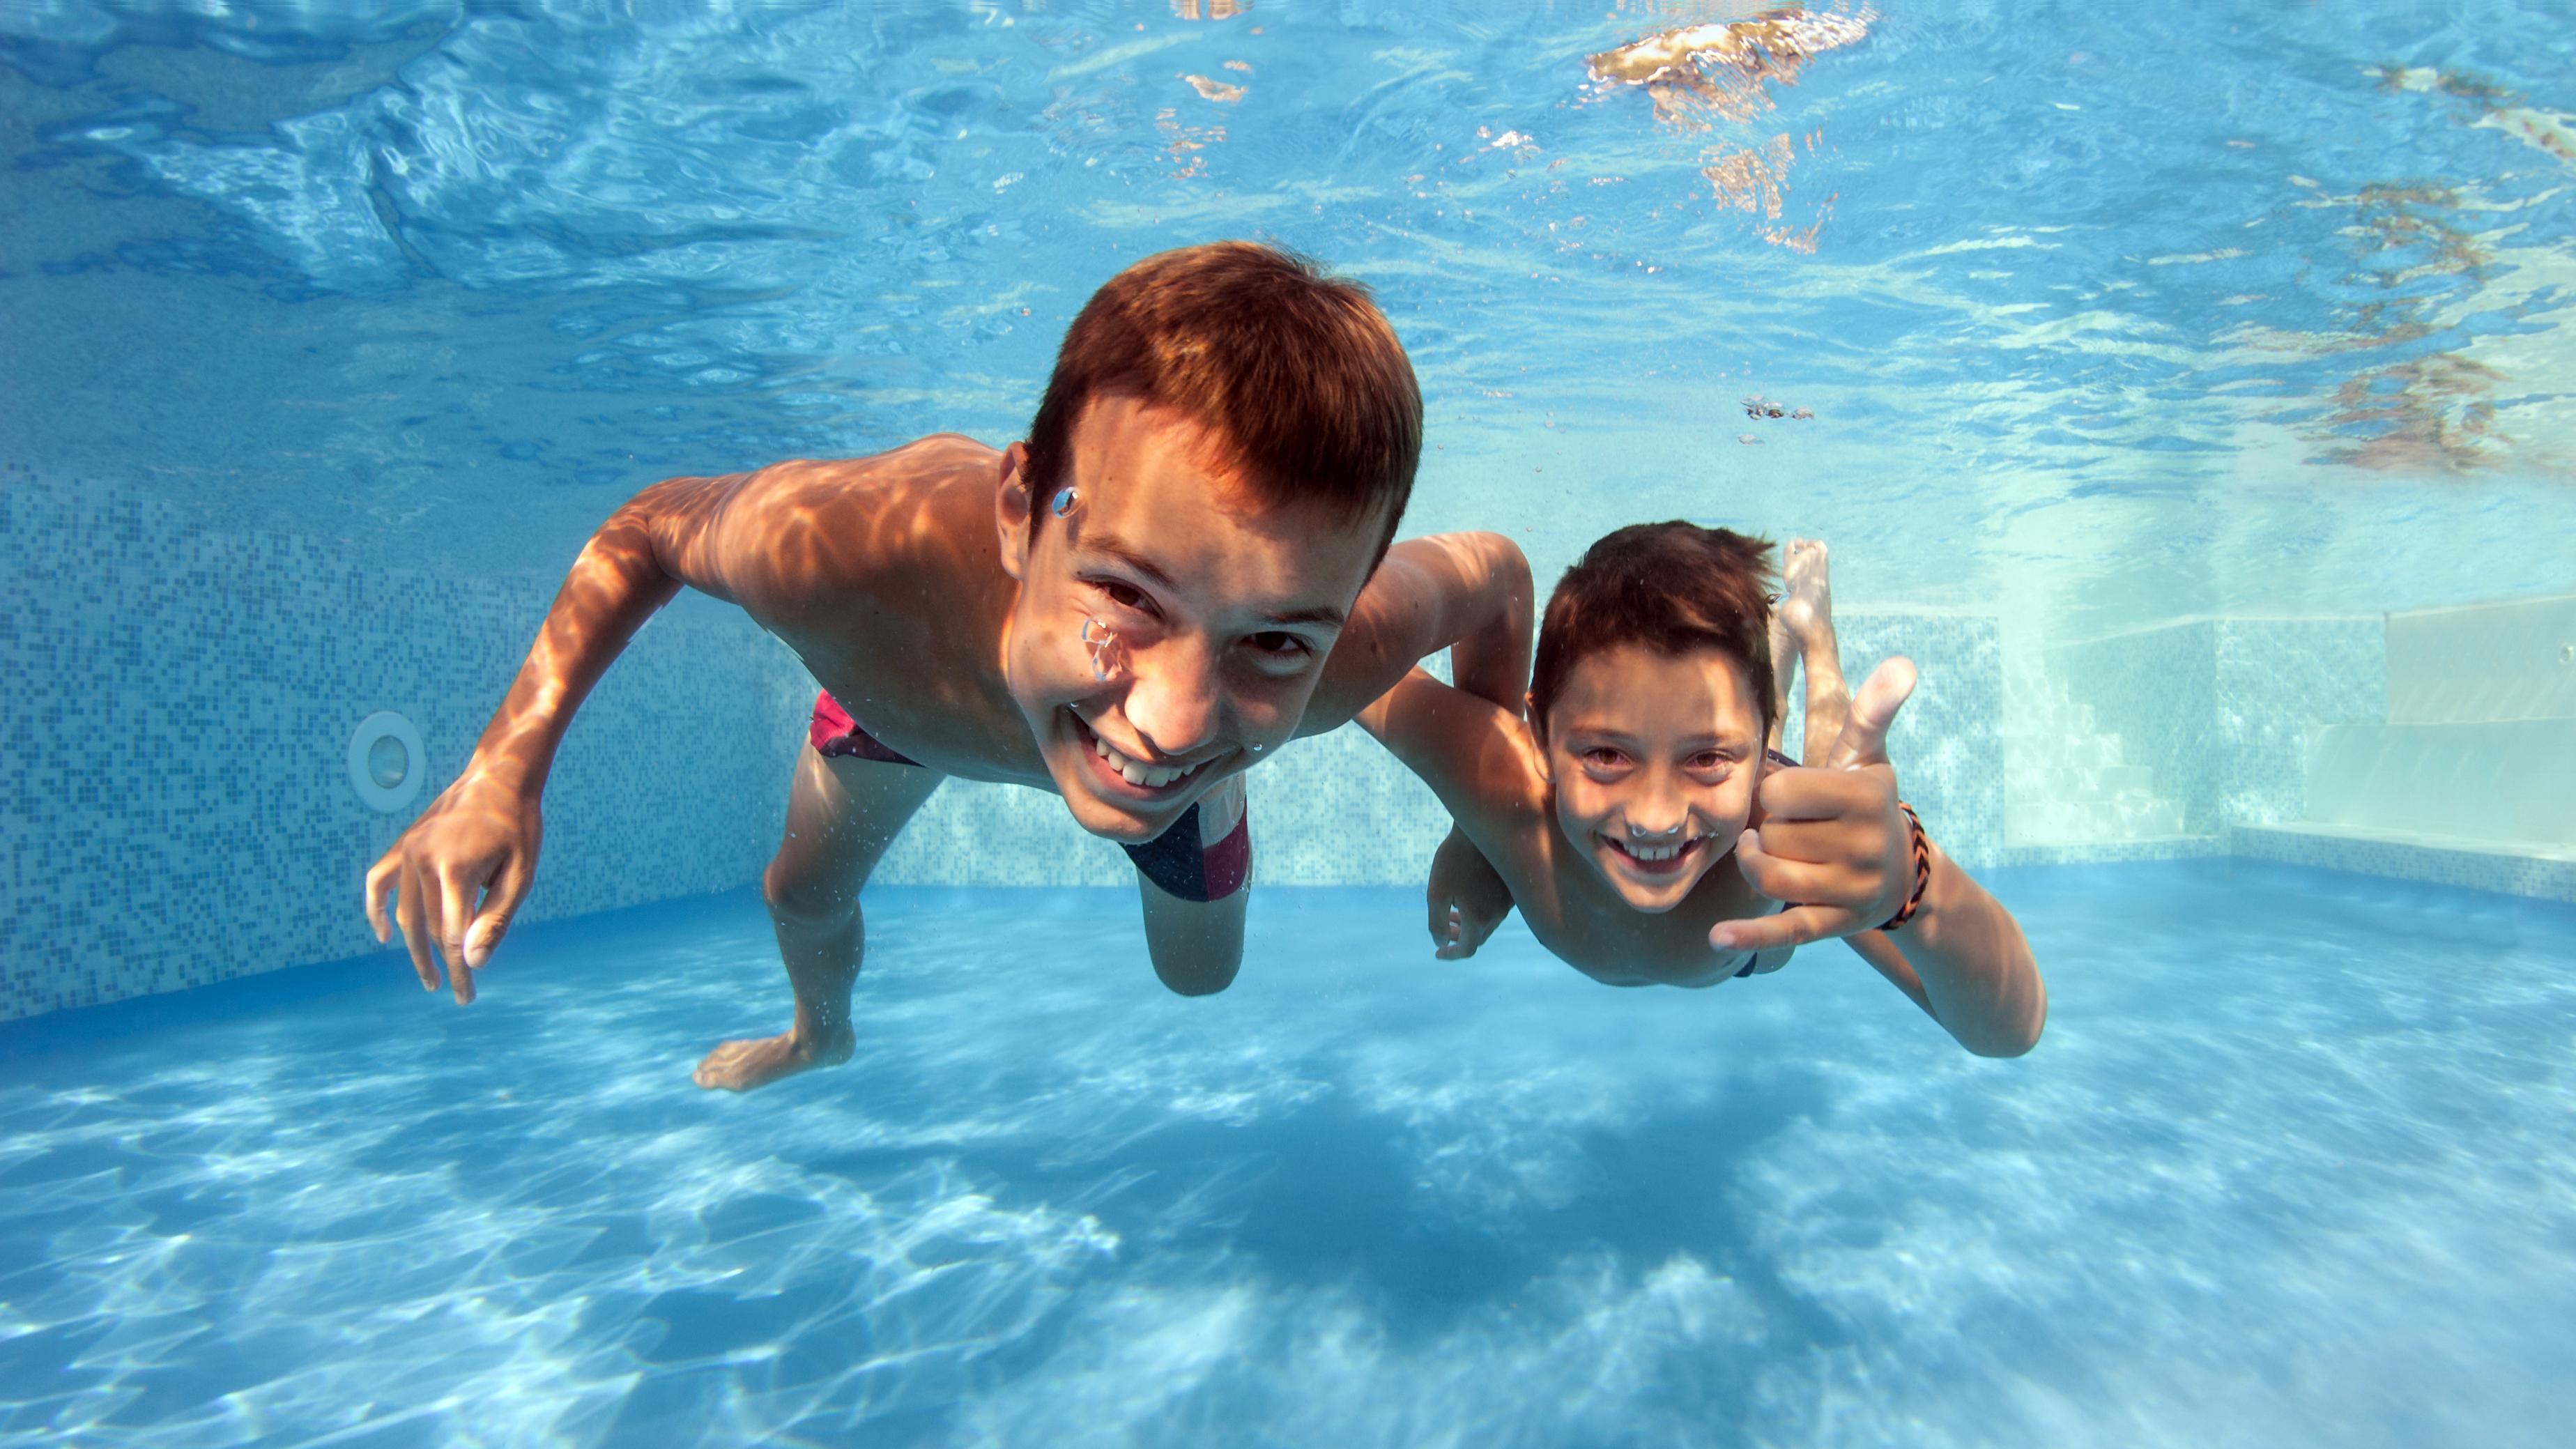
<point x="1584" y="923"/>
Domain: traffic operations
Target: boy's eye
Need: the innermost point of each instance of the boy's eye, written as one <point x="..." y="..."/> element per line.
<point x="1280" y="644"/>
<point x="1708" y="760"/>
<point x="1604" y="757"/>
<point x="1124" y="595"/>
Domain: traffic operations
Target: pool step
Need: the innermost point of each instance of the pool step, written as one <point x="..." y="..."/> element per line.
<point x="2511" y="782"/>
<point x="2066" y="781"/>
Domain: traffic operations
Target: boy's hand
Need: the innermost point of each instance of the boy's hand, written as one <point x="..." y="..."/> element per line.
<point x="456" y="876"/>
<point x="1467" y="898"/>
<point x="1832" y="841"/>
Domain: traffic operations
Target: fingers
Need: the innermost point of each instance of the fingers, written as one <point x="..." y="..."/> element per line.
<point x="1796" y="793"/>
<point x="1831" y="878"/>
<point x="1796" y="926"/>
<point x="1776" y="877"/>
<point x="1873" y="709"/>
<point x="492" y="920"/>
<point x="412" y="907"/>
<point x="380" y="890"/>
<point x="458" y="893"/>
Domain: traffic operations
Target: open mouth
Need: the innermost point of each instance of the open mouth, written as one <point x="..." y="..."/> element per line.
<point x="1656" y="859"/>
<point x="1126" y="776"/>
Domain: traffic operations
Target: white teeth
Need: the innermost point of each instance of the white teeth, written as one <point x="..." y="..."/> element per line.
<point x="1150" y="777"/>
<point x="1644" y="852"/>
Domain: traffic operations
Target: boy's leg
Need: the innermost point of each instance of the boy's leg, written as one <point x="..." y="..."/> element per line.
<point x="1807" y="614"/>
<point x="841" y="816"/>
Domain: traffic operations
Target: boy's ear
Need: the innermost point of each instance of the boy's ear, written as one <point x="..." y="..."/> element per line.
<point x="1012" y="507"/>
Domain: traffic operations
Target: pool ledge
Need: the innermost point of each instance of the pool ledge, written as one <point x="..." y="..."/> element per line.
<point x="2521" y="868"/>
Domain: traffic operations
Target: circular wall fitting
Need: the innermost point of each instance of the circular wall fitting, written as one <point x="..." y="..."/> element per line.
<point x="385" y="762"/>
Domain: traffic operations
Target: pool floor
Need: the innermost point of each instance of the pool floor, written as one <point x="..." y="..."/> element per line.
<point x="2294" y="1164"/>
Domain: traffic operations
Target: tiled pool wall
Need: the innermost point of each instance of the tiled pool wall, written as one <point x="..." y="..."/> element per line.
<point x="2220" y="709"/>
<point x="175" y="797"/>
<point x="180" y="699"/>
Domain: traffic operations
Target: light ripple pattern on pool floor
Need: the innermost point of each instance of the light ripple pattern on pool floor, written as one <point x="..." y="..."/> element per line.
<point x="2291" y="1166"/>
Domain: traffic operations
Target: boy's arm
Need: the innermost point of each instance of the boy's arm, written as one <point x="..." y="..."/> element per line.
<point x="1963" y="959"/>
<point x="1474" y="754"/>
<point x="462" y="869"/>
<point x="1477" y="757"/>
<point x="1833" y="842"/>
<point x="1466" y="592"/>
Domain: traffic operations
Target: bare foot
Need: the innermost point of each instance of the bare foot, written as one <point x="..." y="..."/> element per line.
<point x="739" y="1066"/>
<point x="1809" y="608"/>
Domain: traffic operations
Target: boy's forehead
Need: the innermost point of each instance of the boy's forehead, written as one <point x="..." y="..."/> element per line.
<point x="1637" y="682"/>
<point x="1160" y="494"/>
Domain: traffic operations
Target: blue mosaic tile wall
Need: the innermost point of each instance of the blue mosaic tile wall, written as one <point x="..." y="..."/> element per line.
<point x="175" y="799"/>
<point x="2277" y="678"/>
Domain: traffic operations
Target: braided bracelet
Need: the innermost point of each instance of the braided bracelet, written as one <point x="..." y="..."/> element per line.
<point x="1922" y="870"/>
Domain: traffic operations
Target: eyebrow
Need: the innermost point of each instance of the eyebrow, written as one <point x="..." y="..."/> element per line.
<point x="1709" y="739"/>
<point x="1118" y="549"/>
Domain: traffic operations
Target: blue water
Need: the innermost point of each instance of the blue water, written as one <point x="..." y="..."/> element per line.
<point x="2290" y="1168"/>
<point x="2107" y="315"/>
<point x="2125" y="312"/>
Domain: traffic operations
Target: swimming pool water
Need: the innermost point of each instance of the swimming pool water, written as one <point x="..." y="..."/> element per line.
<point x="2107" y="316"/>
<point x="2291" y="1167"/>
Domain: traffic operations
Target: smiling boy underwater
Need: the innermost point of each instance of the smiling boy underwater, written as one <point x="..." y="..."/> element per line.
<point x="1641" y="768"/>
<point x="1185" y="566"/>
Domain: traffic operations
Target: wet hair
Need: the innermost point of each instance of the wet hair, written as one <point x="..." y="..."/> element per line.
<point x="1296" y="373"/>
<point x="1671" y="587"/>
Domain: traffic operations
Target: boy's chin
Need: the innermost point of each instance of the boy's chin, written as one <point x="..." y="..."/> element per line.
<point x="1128" y="822"/>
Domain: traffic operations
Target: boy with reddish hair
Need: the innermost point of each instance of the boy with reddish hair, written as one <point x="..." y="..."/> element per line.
<point x="1185" y="566"/>
<point x="1641" y="768"/>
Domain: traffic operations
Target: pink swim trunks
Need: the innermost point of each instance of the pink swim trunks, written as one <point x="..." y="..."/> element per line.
<point x="1176" y="860"/>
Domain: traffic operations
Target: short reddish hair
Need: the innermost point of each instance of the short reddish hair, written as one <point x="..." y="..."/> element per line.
<point x="1672" y="587"/>
<point x="1297" y="373"/>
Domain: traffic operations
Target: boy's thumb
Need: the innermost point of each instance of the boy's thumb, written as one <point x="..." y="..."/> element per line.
<point x="1873" y="709"/>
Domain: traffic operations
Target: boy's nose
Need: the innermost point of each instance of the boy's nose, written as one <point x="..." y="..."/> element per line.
<point x="1173" y="702"/>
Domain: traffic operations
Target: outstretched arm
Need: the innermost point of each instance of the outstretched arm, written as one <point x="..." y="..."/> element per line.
<point x="459" y="872"/>
<point x="1466" y="592"/>
<point x="1834" y="844"/>
<point x="1963" y="959"/>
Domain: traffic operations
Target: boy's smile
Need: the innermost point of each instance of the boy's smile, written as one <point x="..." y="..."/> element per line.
<point x="1653" y="758"/>
<point x="1220" y="610"/>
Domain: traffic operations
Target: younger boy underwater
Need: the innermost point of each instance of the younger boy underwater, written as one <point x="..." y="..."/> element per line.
<point x="1641" y="768"/>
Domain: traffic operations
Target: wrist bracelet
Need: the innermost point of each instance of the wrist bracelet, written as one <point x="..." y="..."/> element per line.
<point x="1922" y="870"/>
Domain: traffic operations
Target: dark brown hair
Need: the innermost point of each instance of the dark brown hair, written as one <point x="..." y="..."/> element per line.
<point x="1297" y="373"/>
<point x="1671" y="587"/>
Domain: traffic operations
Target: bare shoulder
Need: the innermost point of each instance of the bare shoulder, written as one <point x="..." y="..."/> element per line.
<point x="807" y="531"/>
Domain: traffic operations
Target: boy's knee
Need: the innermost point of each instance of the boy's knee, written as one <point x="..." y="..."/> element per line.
<point x="1197" y="979"/>
<point x="807" y="897"/>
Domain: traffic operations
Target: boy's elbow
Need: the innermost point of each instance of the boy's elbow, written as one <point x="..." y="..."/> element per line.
<point x="2013" y="1040"/>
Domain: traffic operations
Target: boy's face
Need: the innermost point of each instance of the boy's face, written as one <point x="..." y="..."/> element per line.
<point x="1654" y="757"/>
<point x="1222" y="610"/>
